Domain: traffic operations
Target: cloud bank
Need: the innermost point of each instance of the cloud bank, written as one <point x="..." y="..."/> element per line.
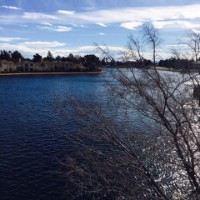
<point x="10" y="7"/>
<point x="128" y="18"/>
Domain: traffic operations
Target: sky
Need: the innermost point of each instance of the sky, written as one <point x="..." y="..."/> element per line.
<point x="73" y="26"/>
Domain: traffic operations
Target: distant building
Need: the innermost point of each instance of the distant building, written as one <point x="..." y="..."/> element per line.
<point x="25" y="66"/>
<point x="44" y="66"/>
<point x="7" y="66"/>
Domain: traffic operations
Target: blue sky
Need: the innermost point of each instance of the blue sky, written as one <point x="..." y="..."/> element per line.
<point x="73" y="26"/>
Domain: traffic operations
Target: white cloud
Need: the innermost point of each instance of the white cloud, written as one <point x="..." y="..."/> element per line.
<point x="101" y="33"/>
<point x="188" y="25"/>
<point x="43" y="44"/>
<point x="10" y="39"/>
<point x="82" y="26"/>
<point x="63" y="29"/>
<point x="66" y="12"/>
<point x="10" y="7"/>
<point x="176" y="24"/>
<point x="122" y="16"/>
<point x="94" y="48"/>
<point x="196" y="30"/>
<point x="78" y="25"/>
<point x="55" y="28"/>
<point x="101" y="24"/>
<point x="9" y="20"/>
<point x="31" y="48"/>
<point x="131" y="25"/>
<point x="28" y="49"/>
<point x="33" y="15"/>
<point x="47" y="24"/>
<point x="164" y="24"/>
<point x="113" y="50"/>
<point x="140" y="14"/>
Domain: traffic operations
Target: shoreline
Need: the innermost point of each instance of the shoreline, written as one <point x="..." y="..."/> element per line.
<point x="49" y="73"/>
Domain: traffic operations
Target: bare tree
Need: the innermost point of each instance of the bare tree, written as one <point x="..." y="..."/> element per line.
<point x="113" y="161"/>
<point x="135" y="49"/>
<point x="151" y="36"/>
<point x="190" y="51"/>
<point x="189" y="48"/>
<point x="193" y="44"/>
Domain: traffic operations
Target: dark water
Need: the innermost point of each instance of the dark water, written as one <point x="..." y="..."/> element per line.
<point x="32" y="127"/>
<point x="31" y="132"/>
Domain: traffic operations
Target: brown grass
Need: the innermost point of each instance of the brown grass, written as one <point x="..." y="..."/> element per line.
<point x="49" y="73"/>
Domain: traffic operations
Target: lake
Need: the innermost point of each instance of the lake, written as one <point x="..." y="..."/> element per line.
<point x="33" y="128"/>
<point x="31" y="132"/>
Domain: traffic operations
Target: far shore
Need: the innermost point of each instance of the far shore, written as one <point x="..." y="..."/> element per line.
<point x="49" y="73"/>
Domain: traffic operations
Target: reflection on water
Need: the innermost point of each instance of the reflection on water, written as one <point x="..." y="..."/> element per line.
<point x="32" y="129"/>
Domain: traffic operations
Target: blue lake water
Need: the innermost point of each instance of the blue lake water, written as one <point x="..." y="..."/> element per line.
<point x="32" y="129"/>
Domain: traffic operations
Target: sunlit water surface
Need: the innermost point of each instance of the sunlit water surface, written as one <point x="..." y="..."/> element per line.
<point x="32" y="127"/>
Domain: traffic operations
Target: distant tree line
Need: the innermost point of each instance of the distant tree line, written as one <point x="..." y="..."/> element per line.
<point x="92" y="61"/>
<point x="11" y="56"/>
<point x="176" y="63"/>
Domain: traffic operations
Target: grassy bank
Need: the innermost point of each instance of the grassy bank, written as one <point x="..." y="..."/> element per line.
<point x="49" y="73"/>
